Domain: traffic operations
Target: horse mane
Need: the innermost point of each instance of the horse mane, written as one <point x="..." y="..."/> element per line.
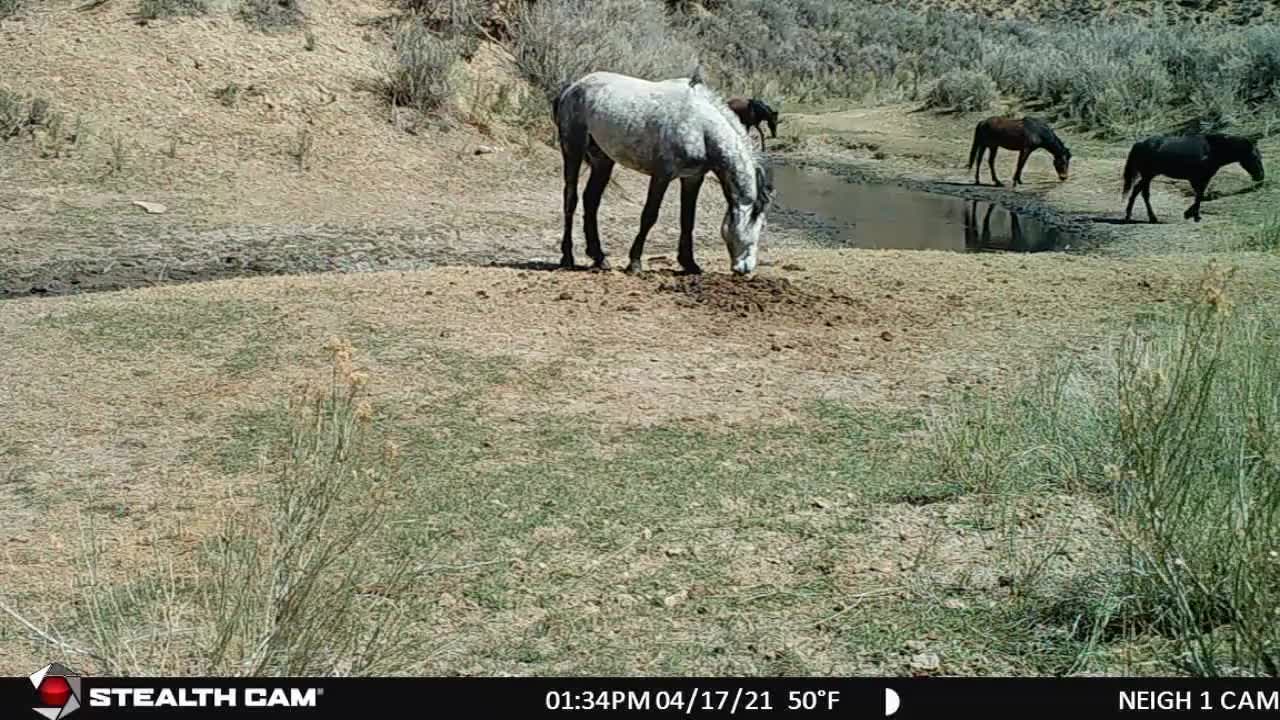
<point x="1052" y="141"/>
<point x="696" y="78"/>
<point x="761" y="107"/>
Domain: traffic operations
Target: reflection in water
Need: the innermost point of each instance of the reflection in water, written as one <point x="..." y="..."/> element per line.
<point x="887" y="216"/>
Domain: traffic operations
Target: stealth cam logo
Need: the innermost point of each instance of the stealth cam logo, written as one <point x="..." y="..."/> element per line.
<point x="59" y="691"/>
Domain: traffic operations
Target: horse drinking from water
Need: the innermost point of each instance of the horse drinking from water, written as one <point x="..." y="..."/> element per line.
<point x="668" y="130"/>
<point x="1026" y="135"/>
<point x="1196" y="158"/>
<point x="751" y="112"/>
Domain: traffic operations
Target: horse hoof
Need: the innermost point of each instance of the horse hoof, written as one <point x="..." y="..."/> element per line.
<point x="566" y="263"/>
<point x="633" y="268"/>
<point x="602" y="265"/>
<point x="691" y="269"/>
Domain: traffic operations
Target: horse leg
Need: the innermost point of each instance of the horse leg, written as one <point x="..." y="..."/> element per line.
<point x="573" y="146"/>
<point x="991" y="161"/>
<point x="1199" y="185"/>
<point x="1022" y="160"/>
<point x="1146" y="198"/>
<point x="689" y="188"/>
<point x="1128" y="211"/>
<point x="657" y="188"/>
<point x="601" y="169"/>
<point x="977" y="166"/>
<point x="761" y="131"/>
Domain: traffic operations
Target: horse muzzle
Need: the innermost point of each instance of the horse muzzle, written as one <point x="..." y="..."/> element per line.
<point x="745" y="266"/>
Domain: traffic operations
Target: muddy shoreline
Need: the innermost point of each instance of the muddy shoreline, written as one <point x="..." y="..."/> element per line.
<point x="179" y="255"/>
<point x="1086" y="232"/>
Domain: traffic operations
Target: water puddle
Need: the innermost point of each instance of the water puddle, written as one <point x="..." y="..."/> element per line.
<point x="886" y="216"/>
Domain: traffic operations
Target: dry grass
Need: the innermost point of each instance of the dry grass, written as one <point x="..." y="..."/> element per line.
<point x="697" y="487"/>
<point x="727" y="533"/>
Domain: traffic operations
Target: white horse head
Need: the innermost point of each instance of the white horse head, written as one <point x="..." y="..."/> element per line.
<point x="668" y="130"/>
<point x="744" y="222"/>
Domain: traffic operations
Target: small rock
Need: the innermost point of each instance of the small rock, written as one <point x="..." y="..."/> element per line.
<point x="886" y="336"/>
<point x="675" y="551"/>
<point x="792" y="267"/>
<point x="954" y="604"/>
<point x="915" y="646"/>
<point x="926" y="661"/>
<point x="486" y="150"/>
<point x="151" y="207"/>
<point x="675" y="599"/>
<point x="821" y="503"/>
<point x="566" y="295"/>
<point x="775" y="347"/>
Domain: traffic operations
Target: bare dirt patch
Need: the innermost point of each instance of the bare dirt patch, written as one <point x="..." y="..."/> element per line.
<point x="774" y="298"/>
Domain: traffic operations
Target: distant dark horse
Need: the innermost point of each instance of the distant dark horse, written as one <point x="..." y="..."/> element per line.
<point x="1196" y="158"/>
<point x="752" y="112"/>
<point x="1025" y="135"/>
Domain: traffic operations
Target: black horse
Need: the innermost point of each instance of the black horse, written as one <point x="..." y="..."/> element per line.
<point x="1196" y="158"/>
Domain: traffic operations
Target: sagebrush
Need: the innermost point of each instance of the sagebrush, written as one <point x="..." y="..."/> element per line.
<point x="155" y="9"/>
<point x="424" y="72"/>
<point x="558" y="41"/>
<point x="1177" y="433"/>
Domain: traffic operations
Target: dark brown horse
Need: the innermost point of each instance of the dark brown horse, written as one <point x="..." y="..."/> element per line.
<point x="1026" y="135"/>
<point x="1196" y="158"/>
<point x="752" y="112"/>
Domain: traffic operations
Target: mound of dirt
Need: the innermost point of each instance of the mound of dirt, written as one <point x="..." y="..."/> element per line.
<point x="760" y="296"/>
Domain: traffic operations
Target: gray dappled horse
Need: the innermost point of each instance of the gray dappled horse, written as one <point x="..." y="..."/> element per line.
<point x="1196" y="158"/>
<point x="668" y="130"/>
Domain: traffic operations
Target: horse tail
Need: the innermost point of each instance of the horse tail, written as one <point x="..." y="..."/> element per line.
<point x="555" y="102"/>
<point x="1131" y="168"/>
<point x="973" y="149"/>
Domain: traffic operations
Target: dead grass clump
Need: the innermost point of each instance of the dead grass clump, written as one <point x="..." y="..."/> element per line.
<point x="9" y="8"/>
<point x="300" y="147"/>
<point x="300" y="583"/>
<point x="46" y="126"/>
<point x="156" y="9"/>
<point x="13" y="114"/>
<point x="273" y="15"/>
<point x="231" y="93"/>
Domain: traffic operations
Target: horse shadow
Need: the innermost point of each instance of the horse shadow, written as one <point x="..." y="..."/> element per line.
<point x="534" y="265"/>
<point x="1255" y="187"/>
<point x="1109" y="220"/>
<point x="654" y="265"/>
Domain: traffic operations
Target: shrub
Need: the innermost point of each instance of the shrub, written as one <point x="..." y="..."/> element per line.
<point x="9" y="7"/>
<point x="1177" y="432"/>
<point x="154" y="9"/>
<point x="964" y="90"/>
<point x="13" y="114"/>
<point x="273" y="15"/>
<point x="558" y="41"/>
<point x="304" y="582"/>
<point x="423" y="75"/>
